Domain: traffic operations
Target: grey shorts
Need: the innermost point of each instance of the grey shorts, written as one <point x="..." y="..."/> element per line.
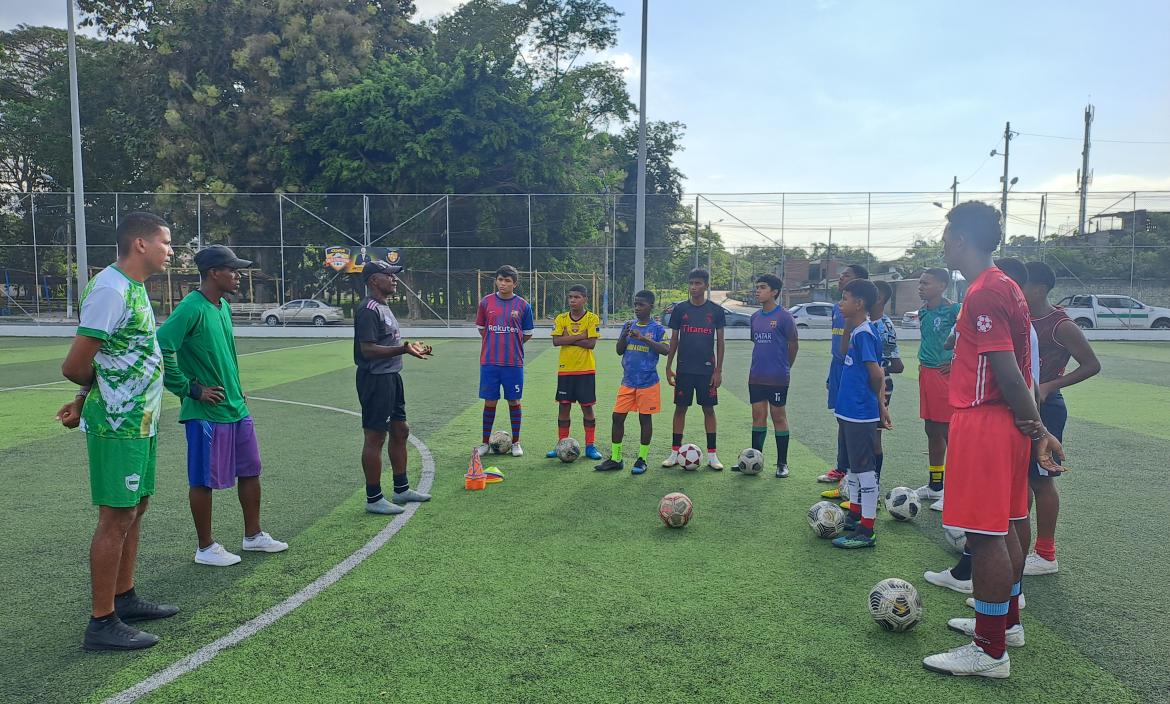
<point x="859" y="445"/>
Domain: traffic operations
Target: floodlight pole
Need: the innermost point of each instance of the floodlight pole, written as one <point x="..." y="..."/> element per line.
<point x="640" y="216"/>
<point x="78" y="178"/>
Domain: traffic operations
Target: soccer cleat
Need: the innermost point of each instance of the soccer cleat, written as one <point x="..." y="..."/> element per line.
<point x="135" y="608"/>
<point x="833" y="476"/>
<point x="517" y="451"/>
<point x="855" y="539"/>
<point x="1034" y="565"/>
<point x="925" y="493"/>
<point x="216" y="555"/>
<point x="937" y="505"/>
<point x="851" y="522"/>
<point x="610" y="465"/>
<point x="483" y="449"/>
<point x="551" y="454"/>
<point x="971" y="601"/>
<point x="592" y="453"/>
<point x="966" y="626"/>
<point x="737" y="467"/>
<point x="384" y="507"/>
<point x="113" y="634"/>
<point x="408" y="496"/>
<point x="263" y="542"/>
<point x="639" y="466"/>
<point x="713" y="462"/>
<point x="834" y="493"/>
<point x="948" y="580"/>
<point x="781" y="471"/>
<point x="671" y="459"/>
<point x="968" y="660"/>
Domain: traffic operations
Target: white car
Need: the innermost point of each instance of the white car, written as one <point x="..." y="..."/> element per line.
<point x="910" y="319"/>
<point x="1111" y="311"/>
<point x="813" y="315"/>
<point x="303" y="311"/>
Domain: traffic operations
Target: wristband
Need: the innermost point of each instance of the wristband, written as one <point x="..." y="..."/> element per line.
<point x="195" y="392"/>
<point x="1040" y="434"/>
<point x="82" y="392"/>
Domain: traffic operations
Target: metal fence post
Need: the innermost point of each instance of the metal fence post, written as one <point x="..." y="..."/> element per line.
<point x="280" y="220"/>
<point x="447" y="225"/>
<point x="36" y="260"/>
<point x="1132" y="243"/>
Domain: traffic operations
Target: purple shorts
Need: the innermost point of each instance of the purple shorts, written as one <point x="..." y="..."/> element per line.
<point x="217" y="453"/>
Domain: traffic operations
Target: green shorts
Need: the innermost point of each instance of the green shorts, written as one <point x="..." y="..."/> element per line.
<point x="121" y="470"/>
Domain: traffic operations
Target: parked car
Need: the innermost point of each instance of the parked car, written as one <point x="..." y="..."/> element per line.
<point x="1114" y="312"/>
<point x="813" y="315"/>
<point x="303" y="311"/>
<point x="736" y="318"/>
<point x="910" y="319"/>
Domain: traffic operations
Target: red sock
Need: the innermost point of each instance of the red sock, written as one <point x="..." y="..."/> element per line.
<point x="590" y="432"/>
<point x="867" y="522"/>
<point x="1046" y="548"/>
<point x="1013" y="614"/>
<point x="991" y="634"/>
<point x="562" y="431"/>
<point x="854" y="508"/>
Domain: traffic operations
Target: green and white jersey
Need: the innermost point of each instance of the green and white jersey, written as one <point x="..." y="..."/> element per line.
<point x="126" y="396"/>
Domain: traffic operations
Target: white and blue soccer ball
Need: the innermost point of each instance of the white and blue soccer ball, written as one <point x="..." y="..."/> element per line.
<point x="751" y="461"/>
<point x="903" y="503"/>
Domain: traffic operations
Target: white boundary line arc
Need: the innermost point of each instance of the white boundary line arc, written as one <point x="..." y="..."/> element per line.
<point x="34" y="386"/>
<point x="270" y="616"/>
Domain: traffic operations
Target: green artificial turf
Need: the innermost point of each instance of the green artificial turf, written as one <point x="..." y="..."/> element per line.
<point x="561" y="583"/>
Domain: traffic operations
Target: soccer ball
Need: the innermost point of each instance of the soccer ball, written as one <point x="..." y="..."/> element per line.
<point x="568" y="450"/>
<point x="903" y="503"/>
<point x="895" y="605"/>
<point x="957" y="539"/>
<point x="500" y="442"/>
<point x="843" y="488"/>
<point x="690" y="456"/>
<point x="675" y="509"/>
<point x="751" y="461"/>
<point x="826" y="519"/>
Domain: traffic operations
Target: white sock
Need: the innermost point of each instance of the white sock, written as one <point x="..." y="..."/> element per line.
<point x="711" y="456"/>
<point x="209" y="548"/>
<point x="853" y="488"/>
<point x="869" y="493"/>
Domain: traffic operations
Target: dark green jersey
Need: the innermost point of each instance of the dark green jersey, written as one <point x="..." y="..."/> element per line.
<point x="198" y="345"/>
<point x="935" y="325"/>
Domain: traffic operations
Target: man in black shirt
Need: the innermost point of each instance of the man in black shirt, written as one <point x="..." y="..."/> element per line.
<point x="697" y="341"/>
<point x="377" y="352"/>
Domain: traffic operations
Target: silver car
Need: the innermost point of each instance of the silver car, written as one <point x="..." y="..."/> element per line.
<point x="813" y="315"/>
<point x="303" y="311"/>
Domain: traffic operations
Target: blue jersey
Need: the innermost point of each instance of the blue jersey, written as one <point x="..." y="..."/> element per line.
<point x="503" y="322"/>
<point x="771" y="334"/>
<point x="838" y="331"/>
<point x="856" y="400"/>
<point x="640" y="362"/>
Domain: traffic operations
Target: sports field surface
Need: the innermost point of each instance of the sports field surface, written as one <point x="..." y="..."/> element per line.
<point x="561" y="584"/>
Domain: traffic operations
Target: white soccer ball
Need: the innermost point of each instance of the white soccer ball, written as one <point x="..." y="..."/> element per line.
<point x="957" y="539"/>
<point x="902" y="503"/>
<point x="568" y="450"/>
<point x="895" y="605"/>
<point x="826" y="519"/>
<point x="675" y="509"/>
<point x="500" y="442"/>
<point x="751" y="461"/>
<point x="690" y="457"/>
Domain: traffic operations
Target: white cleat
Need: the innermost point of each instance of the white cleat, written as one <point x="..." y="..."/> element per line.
<point x="517" y="451"/>
<point x="483" y="449"/>
<point x="946" y="579"/>
<point x="410" y="495"/>
<point x="937" y="505"/>
<point x="384" y="507"/>
<point x="1035" y="565"/>
<point x="713" y="462"/>
<point x="971" y="601"/>
<point x="263" y="542"/>
<point x="969" y="660"/>
<point x="925" y="493"/>
<point x="216" y="555"/>
<point x="671" y="459"/>
<point x="966" y="626"/>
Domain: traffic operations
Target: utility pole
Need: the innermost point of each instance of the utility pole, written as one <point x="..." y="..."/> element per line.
<point x="78" y="179"/>
<point x="1007" y="141"/>
<point x="1090" y="111"/>
<point x="955" y="192"/>
<point x="1040" y="226"/>
<point x="696" y="232"/>
<point x="640" y="215"/>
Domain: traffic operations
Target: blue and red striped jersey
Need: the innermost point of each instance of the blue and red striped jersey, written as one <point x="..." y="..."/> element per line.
<point x="503" y="322"/>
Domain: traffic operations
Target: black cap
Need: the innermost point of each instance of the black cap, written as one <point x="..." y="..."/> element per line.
<point x="379" y="267"/>
<point x="219" y="255"/>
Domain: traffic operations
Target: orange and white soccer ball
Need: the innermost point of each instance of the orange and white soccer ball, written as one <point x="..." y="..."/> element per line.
<point x="690" y="457"/>
<point x="675" y="509"/>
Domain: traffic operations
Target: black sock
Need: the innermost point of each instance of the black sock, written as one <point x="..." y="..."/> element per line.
<point x="676" y="440"/>
<point x="128" y="594"/>
<point x="710" y="442"/>
<point x="782" y="438"/>
<point x="963" y="569"/>
<point x="758" y="434"/>
<point x="842" y="452"/>
<point x="104" y="619"/>
<point x="401" y="483"/>
<point x="878" y="462"/>
<point x="373" y="493"/>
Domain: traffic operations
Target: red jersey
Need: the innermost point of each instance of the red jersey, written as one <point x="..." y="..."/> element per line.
<point x="503" y="322"/>
<point x="994" y="318"/>
<point x="1053" y="355"/>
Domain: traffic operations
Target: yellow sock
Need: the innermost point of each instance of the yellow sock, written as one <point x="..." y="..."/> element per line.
<point x="936" y="476"/>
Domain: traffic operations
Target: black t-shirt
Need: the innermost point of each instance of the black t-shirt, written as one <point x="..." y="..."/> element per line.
<point x="696" y="344"/>
<point x="375" y="322"/>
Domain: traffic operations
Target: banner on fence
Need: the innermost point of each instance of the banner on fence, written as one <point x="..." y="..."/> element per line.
<point x="351" y="260"/>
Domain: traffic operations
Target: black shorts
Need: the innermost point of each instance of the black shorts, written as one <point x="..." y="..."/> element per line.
<point x="577" y="388"/>
<point x="382" y="398"/>
<point x="774" y="395"/>
<point x="1054" y="414"/>
<point x="694" y="387"/>
<point x="859" y="445"/>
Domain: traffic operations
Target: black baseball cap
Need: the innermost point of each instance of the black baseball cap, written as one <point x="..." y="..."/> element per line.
<point x="219" y="255"/>
<point x="379" y="267"/>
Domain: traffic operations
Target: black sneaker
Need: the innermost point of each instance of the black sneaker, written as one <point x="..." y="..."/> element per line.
<point x="113" y="634"/>
<point x="852" y="523"/>
<point x="610" y="465"/>
<point x="781" y="471"/>
<point x="135" y="608"/>
<point x="737" y="467"/>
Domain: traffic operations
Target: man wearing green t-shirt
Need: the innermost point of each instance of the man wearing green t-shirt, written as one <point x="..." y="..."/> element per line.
<point x="199" y="354"/>
<point x="116" y="361"/>
<point x="936" y="319"/>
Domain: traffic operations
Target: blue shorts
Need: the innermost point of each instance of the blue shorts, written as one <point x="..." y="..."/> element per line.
<point x="834" y="381"/>
<point x="218" y="453"/>
<point x="1054" y="414"/>
<point x="492" y="377"/>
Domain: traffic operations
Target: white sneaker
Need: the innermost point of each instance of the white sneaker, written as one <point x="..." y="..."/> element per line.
<point x="946" y="579"/>
<point x="937" y="505"/>
<point x="925" y="493"/>
<point x="1035" y="565"/>
<point x="483" y="449"/>
<point x="216" y="555"/>
<point x="713" y="462"/>
<point x="671" y="459"/>
<point x="408" y="496"/>
<point x="971" y="601"/>
<point x="263" y="542"/>
<point x="966" y="626"/>
<point x="969" y="659"/>
<point x="384" y="507"/>
<point x="517" y="451"/>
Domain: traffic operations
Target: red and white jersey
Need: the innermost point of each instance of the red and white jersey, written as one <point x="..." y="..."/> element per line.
<point x="994" y="318"/>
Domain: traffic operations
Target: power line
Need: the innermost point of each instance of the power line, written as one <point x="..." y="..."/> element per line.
<point x="1111" y="141"/>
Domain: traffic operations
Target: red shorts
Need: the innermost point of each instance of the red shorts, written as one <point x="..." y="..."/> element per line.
<point x="986" y="483"/>
<point x="934" y="402"/>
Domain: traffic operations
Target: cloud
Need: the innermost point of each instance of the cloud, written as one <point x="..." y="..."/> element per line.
<point x="433" y="9"/>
